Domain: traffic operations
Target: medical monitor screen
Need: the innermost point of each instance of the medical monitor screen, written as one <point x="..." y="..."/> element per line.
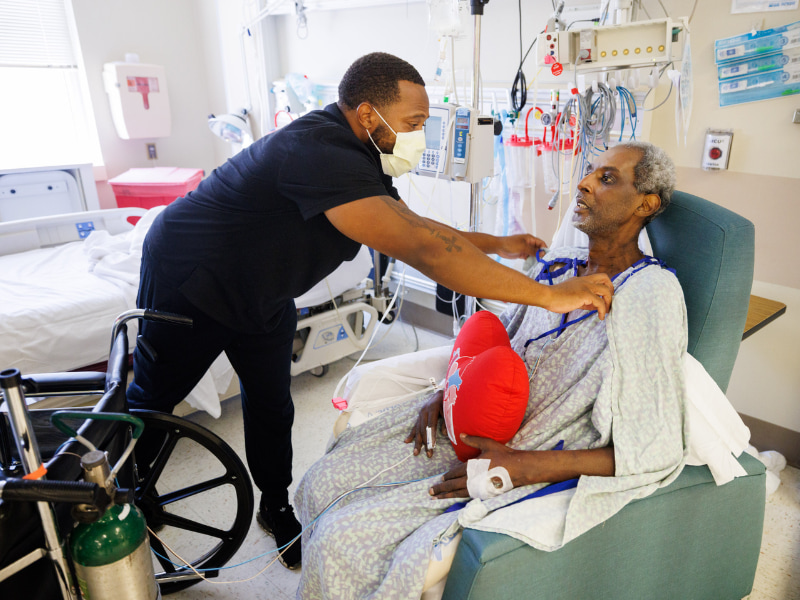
<point x="433" y="133"/>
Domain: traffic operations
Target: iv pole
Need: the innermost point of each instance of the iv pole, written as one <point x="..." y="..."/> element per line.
<point x="476" y="9"/>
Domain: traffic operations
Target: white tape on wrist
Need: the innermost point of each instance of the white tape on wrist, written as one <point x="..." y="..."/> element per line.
<point x="483" y="482"/>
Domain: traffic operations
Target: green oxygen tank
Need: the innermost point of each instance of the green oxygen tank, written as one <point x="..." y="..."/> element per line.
<point x="112" y="555"/>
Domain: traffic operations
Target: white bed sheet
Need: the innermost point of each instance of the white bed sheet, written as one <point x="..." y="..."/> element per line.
<point x="54" y="314"/>
<point x="58" y="306"/>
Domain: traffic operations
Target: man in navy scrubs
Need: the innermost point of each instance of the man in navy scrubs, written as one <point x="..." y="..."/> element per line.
<point x="273" y="221"/>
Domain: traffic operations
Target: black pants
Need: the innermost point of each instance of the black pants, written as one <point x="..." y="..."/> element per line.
<point x="262" y="361"/>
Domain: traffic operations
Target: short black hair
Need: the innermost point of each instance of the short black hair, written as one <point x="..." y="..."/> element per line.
<point x="374" y="78"/>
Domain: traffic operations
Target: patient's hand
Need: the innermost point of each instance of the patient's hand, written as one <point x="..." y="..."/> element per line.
<point x="528" y="466"/>
<point x="519" y="246"/>
<point x="428" y="417"/>
<point x="454" y="482"/>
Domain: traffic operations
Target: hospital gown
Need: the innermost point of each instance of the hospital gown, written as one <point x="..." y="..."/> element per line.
<point x="616" y="381"/>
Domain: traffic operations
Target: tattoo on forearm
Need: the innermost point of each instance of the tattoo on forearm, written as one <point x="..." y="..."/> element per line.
<point x="415" y="220"/>
<point x="449" y="240"/>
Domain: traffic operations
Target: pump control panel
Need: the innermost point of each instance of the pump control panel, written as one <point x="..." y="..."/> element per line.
<point x="459" y="144"/>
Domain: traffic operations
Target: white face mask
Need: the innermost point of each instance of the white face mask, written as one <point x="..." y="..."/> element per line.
<point x="408" y="149"/>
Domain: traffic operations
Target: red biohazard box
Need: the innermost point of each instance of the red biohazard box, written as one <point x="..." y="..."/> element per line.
<point x="154" y="186"/>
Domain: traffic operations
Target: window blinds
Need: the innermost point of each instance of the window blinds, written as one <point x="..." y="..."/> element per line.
<point x="35" y="33"/>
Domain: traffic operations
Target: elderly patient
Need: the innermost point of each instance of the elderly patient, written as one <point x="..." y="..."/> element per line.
<point x="609" y="391"/>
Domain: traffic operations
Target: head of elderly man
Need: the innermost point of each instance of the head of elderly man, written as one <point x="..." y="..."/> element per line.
<point x="625" y="188"/>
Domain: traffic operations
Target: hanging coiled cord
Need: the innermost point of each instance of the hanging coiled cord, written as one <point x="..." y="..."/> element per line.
<point x="519" y="92"/>
<point x="627" y="104"/>
<point x="601" y="116"/>
<point x="572" y="115"/>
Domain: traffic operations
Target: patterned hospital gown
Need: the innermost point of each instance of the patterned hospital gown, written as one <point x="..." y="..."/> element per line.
<point x="616" y="381"/>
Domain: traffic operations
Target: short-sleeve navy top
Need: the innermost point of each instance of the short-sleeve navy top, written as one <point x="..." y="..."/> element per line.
<point x="254" y="234"/>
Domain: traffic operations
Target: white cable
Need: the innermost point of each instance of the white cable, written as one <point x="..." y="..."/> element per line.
<point x="374" y="333"/>
<point x="453" y="68"/>
<point x="533" y="166"/>
<point x="428" y="203"/>
<point x="578" y="125"/>
<point x="374" y="477"/>
<point x="333" y="301"/>
<point x="121" y="461"/>
<point x="572" y="162"/>
<point x="398" y="291"/>
<point x="85" y="442"/>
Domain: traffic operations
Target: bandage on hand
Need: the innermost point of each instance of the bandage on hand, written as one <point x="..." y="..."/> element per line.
<point x="430" y="442"/>
<point x="485" y="483"/>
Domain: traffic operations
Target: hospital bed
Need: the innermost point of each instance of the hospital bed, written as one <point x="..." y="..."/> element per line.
<point x="65" y="278"/>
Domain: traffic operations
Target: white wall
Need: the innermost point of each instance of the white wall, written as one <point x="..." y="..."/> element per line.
<point x="766" y="383"/>
<point x="174" y="34"/>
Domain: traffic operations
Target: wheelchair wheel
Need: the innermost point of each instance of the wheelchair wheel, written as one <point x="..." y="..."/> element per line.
<point x="201" y="505"/>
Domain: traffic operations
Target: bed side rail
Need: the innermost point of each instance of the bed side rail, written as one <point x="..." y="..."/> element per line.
<point x="42" y="232"/>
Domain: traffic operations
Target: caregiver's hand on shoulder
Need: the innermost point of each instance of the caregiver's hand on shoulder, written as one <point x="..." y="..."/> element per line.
<point x="428" y="418"/>
<point x="591" y="292"/>
<point x="454" y="482"/>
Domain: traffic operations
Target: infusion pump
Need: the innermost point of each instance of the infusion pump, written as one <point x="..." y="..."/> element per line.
<point x="459" y="144"/>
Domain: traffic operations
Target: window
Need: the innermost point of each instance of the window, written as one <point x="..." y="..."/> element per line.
<point x="46" y="112"/>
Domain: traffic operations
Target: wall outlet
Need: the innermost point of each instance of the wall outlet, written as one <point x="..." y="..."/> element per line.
<point x="151" y="151"/>
<point x="796" y="117"/>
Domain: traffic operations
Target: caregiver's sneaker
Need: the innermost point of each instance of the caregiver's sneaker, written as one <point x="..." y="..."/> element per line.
<point x="283" y="526"/>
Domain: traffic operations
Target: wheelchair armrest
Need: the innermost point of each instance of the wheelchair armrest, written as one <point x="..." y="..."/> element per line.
<point x="81" y="382"/>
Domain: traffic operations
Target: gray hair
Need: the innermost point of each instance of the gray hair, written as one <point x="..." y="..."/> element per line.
<point x="653" y="174"/>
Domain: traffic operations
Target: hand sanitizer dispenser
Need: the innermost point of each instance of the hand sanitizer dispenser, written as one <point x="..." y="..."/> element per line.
<point x="138" y="97"/>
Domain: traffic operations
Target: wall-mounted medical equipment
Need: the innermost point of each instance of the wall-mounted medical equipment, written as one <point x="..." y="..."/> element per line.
<point x="717" y="150"/>
<point x="40" y="192"/>
<point x="459" y="144"/>
<point x="757" y="43"/>
<point x="624" y="46"/>
<point x="137" y="94"/>
<point x="759" y="87"/>
<point x="232" y="127"/>
<point x="759" y="65"/>
<point x="787" y="59"/>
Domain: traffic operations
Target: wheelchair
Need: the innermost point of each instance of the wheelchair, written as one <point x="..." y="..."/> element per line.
<point x="196" y="516"/>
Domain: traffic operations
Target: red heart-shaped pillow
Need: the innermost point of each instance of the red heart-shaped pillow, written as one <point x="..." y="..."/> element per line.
<point x="486" y="391"/>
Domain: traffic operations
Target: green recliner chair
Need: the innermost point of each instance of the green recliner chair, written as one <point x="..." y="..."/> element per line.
<point x="691" y="539"/>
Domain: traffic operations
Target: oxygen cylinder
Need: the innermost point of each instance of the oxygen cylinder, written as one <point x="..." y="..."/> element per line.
<point x="112" y="555"/>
